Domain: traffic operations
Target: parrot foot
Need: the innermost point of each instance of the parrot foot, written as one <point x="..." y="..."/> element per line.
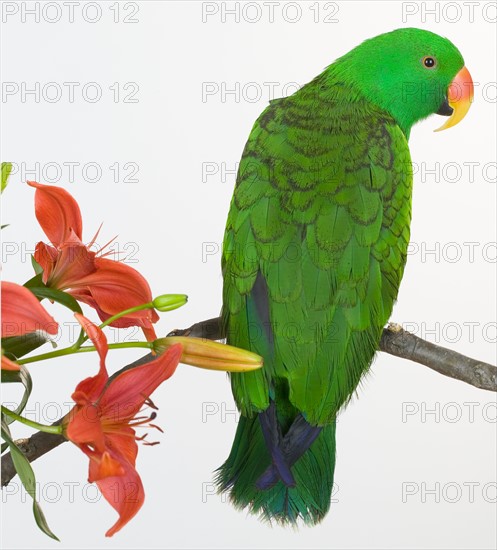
<point x="296" y="442"/>
<point x="271" y="431"/>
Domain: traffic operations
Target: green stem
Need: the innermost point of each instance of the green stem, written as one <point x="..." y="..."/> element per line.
<point x="110" y="320"/>
<point x="82" y="338"/>
<point x="70" y="351"/>
<point x="31" y="423"/>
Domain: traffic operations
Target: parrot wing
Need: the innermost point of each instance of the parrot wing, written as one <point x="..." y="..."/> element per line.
<point x="314" y="249"/>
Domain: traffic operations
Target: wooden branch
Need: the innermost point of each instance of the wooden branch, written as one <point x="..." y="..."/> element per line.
<point x="395" y="341"/>
<point x="33" y="447"/>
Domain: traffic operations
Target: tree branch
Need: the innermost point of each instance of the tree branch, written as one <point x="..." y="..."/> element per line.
<point x="395" y="341"/>
<point x="33" y="447"/>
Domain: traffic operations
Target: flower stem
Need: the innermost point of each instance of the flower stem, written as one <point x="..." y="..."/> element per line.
<point x="70" y="351"/>
<point x="83" y="338"/>
<point x="110" y="320"/>
<point x="31" y="423"/>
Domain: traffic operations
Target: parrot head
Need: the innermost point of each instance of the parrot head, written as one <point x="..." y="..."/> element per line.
<point x="411" y="73"/>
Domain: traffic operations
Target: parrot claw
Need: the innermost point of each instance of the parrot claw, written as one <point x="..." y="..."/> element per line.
<point x="297" y="440"/>
<point x="271" y="431"/>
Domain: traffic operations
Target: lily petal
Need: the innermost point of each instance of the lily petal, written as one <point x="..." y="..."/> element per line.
<point x="95" y="334"/>
<point x="124" y="493"/>
<point x="84" y="427"/>
<point x="89" y="389"/>
<point x="123" y="442"/>
<point x="125" y="395"/>
<point x="57" y="212"/>
<point x="46" y="256"/>
<point x="108" y="467"/>
<point x="22" y="312"/>
<point x="7" y="364"/>
<point x="74" y="263"/>
<point x="114" y="287"/>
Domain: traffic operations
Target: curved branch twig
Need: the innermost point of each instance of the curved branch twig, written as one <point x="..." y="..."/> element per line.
<point x="397" y="341"/>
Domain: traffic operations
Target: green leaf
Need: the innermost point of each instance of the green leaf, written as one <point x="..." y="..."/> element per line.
<point x="36" y="280"/>
<point x="36" y="266"/>
<point x="23" y="377"/>
<point x="6" y="169"/>
<point x="15" y="347"/>
<point x="27" y="477"/>
<point x="57" y="296"/>
<point x="41" y="291"/>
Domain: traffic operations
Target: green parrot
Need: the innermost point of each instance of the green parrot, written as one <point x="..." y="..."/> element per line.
<point x="313" y="255"/>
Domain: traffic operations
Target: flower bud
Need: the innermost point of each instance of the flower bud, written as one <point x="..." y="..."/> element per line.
<point x="207" y="354"/>
<point x="168" y="302"/>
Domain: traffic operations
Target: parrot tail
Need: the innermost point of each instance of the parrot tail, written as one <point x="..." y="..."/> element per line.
<point x="257" y="472"/>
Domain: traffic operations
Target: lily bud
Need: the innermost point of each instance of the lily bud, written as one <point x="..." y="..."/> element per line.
<point x="168" y="302"/>
<point x="207" y="354"/>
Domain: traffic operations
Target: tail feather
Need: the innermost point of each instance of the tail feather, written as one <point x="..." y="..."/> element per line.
<point x="249" y="459"/>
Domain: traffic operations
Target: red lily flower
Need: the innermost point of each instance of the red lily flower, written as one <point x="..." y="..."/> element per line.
<point x="106" y="285"/>
<point x="102" y="423"/>
<point x="22" y="313"/>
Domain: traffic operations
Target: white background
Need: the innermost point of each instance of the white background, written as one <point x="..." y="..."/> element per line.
<point x="171" y="213"/>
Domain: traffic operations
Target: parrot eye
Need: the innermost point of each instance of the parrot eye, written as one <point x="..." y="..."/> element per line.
<point x="429" y="62"/>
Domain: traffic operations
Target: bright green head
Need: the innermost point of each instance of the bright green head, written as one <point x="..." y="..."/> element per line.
<point x="407" y="72"/>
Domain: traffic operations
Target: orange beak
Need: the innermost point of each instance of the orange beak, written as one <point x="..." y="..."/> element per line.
<point x="459" y="97"/>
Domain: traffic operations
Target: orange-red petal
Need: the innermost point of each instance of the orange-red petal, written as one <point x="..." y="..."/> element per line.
<point x="123" y="442"/>
<point x="125" y="395"/>
<point x="22" y="312"/>
<point x="95" y="334"/>
<point x="148" y="330"/>
<point x="85" y="428"/>
<point x="106" y="467"/>
<point x="57" y="212"/>
<point x="46" y="256"/>
<point x="73" y="265"/>
<point x="7" y="364"/>
<point x="89" y="389"/>
<point x="114" y="287"/>
<point x="124" y="493"/>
